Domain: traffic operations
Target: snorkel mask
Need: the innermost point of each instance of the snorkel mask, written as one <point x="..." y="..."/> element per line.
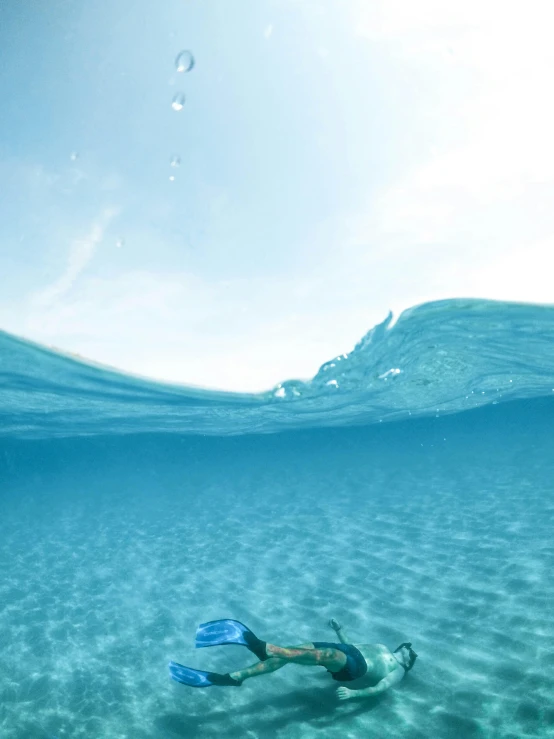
<point x="413" y="655"/>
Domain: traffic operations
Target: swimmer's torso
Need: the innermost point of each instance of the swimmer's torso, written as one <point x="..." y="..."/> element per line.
<point x="380" y="662"/>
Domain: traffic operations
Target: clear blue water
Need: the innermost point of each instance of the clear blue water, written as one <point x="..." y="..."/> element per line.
<point x="406" y="491"/>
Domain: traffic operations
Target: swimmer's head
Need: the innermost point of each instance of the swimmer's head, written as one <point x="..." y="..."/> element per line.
<point x="405" y="655"/>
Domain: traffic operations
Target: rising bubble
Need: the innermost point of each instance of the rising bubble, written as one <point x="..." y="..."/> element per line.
<point x="175" y="160"/>
<point x="119" y="243"/>
<point x="178" y="101"/>
<point x="184" y="61"/>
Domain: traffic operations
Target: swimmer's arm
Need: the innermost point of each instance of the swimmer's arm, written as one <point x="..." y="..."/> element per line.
<point x="392" y="679"/>
<point x="337" y="628"/>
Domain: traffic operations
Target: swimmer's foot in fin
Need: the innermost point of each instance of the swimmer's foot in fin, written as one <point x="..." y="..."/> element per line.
<point x="228" y="631"/>
<point x="199" y="678"/>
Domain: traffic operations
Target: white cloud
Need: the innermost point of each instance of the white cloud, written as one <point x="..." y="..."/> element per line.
<point x="467" y="217"/>
<point x="81" y="253"/>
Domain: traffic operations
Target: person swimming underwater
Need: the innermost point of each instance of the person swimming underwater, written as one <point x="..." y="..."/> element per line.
<point x="375" y="663"/>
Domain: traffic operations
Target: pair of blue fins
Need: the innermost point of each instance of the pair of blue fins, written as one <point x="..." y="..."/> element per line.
<point x="212" y="634"/>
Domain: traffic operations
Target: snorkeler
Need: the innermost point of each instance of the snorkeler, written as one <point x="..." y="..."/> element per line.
<point x="379" y="667"/>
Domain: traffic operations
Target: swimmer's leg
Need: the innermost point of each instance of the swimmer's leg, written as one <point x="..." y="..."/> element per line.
<point x="333" y="659"/>
<point x="305" y="654"/>
<point x="265" y="667"/>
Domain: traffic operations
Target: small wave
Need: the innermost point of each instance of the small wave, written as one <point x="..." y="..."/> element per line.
<point x="442" y="357"/>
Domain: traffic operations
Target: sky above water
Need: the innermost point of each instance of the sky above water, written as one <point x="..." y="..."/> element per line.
<point x="330" y="160"/>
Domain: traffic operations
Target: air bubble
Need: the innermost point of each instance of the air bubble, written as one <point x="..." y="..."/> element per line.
<point x="178" y="101"/>
<point x="175" y="160"/>
<point x="184" y="61"/>
<point x="119" y="243"/>
<point x="172" y="178"/>
<point x="74" y="156"/>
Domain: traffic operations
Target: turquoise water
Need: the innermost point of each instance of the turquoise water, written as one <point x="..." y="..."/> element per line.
<point x="406" y="491"/>
<point x="442" y="357"/>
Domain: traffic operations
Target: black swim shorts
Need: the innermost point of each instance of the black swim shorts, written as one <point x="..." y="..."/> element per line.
<point x="355" y="666"/>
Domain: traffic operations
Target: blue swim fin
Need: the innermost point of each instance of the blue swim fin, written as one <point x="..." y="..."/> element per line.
<point x="199" y="678"/>
<point x="227" y="631"/>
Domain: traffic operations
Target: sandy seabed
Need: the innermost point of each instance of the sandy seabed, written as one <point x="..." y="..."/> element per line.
<point x="100" y="588"/>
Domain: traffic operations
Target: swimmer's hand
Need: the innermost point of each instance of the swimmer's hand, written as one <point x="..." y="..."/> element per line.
<point x="337" y="628"/>
<point x="344" y="694"/>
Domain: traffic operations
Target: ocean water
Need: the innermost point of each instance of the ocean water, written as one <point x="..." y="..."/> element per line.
<point x="407" y="490"/>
